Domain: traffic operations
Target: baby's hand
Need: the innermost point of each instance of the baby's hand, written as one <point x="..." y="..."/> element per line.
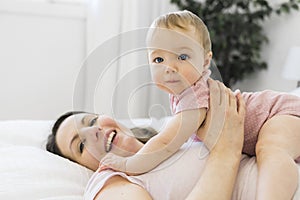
<point x="117" y="163"/>
<point x="114" y="162"/>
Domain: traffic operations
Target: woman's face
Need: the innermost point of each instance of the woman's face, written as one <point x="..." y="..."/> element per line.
<point x="86" y="138"/>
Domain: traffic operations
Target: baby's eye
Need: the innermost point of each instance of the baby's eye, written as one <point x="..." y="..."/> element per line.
<point x="81" y="147"/>
<point x="158" y="60"/>
<point x="183" y="57"/>
<point x="93" y="121"/>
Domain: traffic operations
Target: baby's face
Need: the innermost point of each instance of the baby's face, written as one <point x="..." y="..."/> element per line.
<point x="176" y="59"/>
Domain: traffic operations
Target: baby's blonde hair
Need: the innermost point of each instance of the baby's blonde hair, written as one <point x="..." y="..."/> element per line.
<point x="184" y="20"/>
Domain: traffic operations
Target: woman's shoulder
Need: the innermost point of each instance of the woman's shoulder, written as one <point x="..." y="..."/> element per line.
<point x="118" y="187"/>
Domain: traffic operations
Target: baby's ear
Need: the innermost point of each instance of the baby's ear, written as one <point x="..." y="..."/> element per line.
<point x="207" y="60"/>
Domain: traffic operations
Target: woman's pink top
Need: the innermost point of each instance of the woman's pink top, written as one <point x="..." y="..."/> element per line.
<point x="172" y="179"/>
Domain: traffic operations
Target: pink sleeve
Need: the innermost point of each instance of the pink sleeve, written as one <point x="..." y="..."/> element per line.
<point x="194" y="97"/>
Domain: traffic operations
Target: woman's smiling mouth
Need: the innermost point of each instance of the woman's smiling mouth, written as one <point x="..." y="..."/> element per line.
<point x="110" y="135"/>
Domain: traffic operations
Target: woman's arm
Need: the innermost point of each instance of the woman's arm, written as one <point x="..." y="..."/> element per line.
<point x="225" y="129"/>
<point x="120" y="188"/>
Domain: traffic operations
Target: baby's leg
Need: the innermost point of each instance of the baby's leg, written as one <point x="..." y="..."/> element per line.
<point x="277" y="147"/>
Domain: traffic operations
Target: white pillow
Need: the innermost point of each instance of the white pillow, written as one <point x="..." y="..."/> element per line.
<point x="28" y="171"/>
<point x="296" y="92"/>
<point x="157" y="124"/>
<point x="25" y="132"/>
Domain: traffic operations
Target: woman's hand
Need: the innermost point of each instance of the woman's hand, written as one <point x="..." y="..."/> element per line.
<point x="224" y="125"/>
<point x="223" y="133"/>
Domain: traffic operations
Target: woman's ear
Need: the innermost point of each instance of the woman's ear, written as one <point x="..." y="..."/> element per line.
<point x="207" y="60"/>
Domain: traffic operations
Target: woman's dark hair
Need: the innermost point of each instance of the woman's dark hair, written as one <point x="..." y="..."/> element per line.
<point x="142" y="134"/>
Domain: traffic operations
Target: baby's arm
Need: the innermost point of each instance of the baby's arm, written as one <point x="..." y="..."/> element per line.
<point x="161" y="146"/>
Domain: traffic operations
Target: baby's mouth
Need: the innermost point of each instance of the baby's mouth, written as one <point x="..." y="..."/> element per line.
<point x="110" y="138"/>
<point x="172" y="81"/>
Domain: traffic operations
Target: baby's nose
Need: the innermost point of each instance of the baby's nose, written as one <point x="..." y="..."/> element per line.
<point x="170" y="69"/>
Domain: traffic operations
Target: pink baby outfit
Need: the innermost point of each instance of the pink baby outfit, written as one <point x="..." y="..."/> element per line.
<point x="260" y="106"/>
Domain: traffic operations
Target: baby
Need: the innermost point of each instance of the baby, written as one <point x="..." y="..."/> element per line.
<point x="179" y="52"/>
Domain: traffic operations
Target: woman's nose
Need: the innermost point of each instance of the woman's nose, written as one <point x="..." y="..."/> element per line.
<point x="106" y="121"/>
<point x="90" y="133"/>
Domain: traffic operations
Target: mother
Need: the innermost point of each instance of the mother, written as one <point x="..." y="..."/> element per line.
<point x="184" y="176"/>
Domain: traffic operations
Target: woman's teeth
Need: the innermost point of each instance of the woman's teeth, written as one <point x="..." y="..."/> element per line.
<point x="109" y="141"/>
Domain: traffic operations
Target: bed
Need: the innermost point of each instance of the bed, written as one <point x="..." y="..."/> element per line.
<point x="30" y="172"/>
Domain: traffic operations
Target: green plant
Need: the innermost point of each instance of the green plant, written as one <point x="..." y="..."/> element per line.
<point x="236" y="31"/>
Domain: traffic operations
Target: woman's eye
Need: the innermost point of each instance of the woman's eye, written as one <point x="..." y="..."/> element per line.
<point x="93" y="121"/>
<point x="81" y="147"/>
<point x="158" y="60"/>
<point x="183" y="57"/>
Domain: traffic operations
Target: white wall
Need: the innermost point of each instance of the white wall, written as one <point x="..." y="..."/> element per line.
<point x="283" y="33"/>
<point x="42" y="47"/>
